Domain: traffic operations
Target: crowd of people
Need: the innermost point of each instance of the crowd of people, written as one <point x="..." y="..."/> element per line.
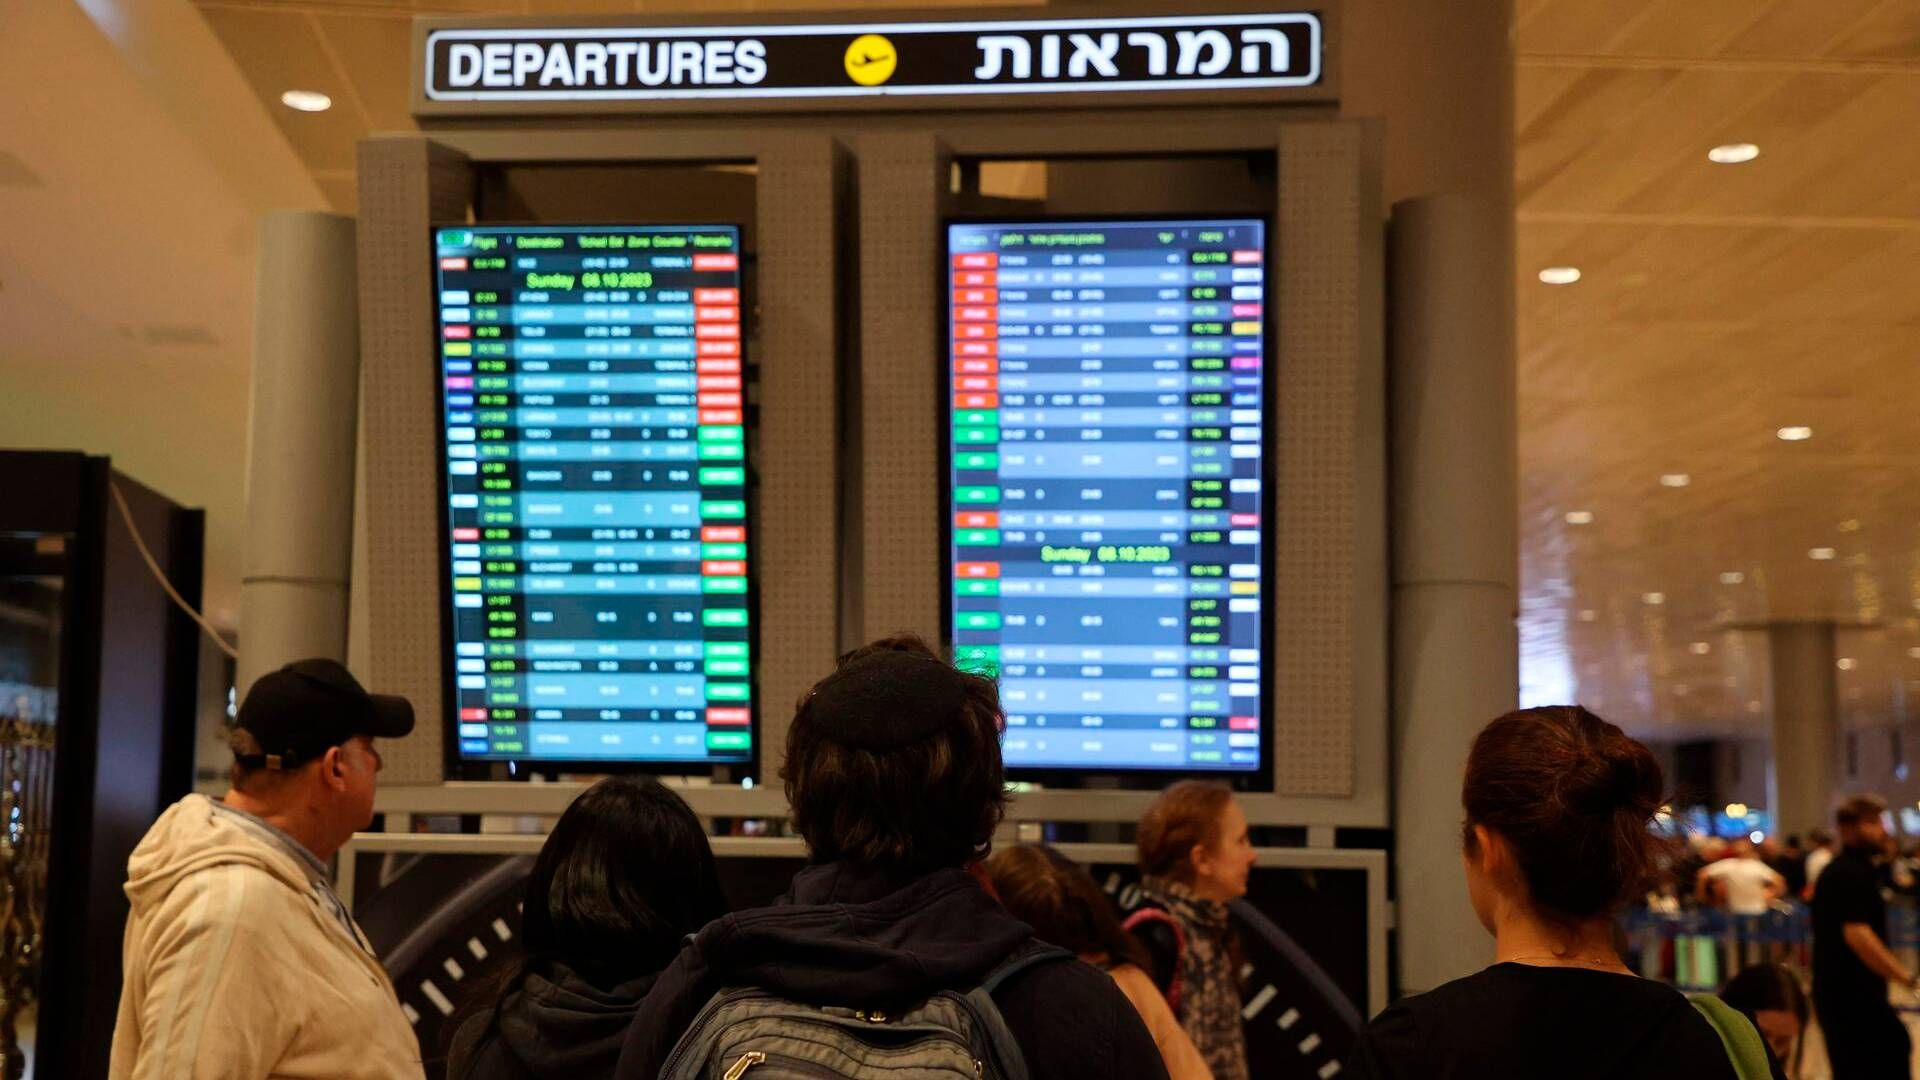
<point x="909" y="946"/>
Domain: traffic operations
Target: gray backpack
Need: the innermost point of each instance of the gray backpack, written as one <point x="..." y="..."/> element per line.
<point x="751" y="1034"/>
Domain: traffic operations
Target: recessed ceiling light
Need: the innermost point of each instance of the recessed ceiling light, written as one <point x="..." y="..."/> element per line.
<point x="1753" y="706"/>
<point x="1795" y="434"/>
<point x="1559" y="275"/>
<point x="1850" y="525"/>
<point x="1588" y="615"/>
<point x="1675" y="480"/>
<point x="1734" y="153"/>
<point x="1846" y="663"/>
<point x="1915" y="653"/>
<point x="306" y="100"/>
<point x="1820" y="554"/>
<point x="1700" y="648"/>
<point x="1732" y="577"/>
<point x="1655" y="598"/>
<point x="1585" y="517"/>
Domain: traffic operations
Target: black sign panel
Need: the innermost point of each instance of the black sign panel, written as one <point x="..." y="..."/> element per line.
<point x="1026" y="56"/>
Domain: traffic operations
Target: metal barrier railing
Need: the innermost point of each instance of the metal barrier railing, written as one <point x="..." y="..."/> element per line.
<point x="1701" y="949"/>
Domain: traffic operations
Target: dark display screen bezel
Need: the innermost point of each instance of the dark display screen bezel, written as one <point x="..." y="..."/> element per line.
<point x="458" y="766"/>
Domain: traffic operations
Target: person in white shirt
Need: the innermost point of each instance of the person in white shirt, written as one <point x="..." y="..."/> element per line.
<point x="1742" y="884"/>
<point x="1817" y="859"/>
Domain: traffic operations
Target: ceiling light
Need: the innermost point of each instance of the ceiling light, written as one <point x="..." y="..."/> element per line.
<point x="1588" y="615"/>
<point x="1732" y="577"/>
<point x="1579" y="517"/>
<point x="1820" y="554"/>
<point x="1654" y="598"/>
<point x="1795" y="434"/>
<point x="1733" y="153"/>
<point x="1846" y="663"/>
<point x="1850" y="525"/>
<point x="306" y="100"/>
<point x="1675" y="480"/>
<point x="1753" y="706"/>
<point x="1559" y="275"/>
<point x="1700" y="648"/>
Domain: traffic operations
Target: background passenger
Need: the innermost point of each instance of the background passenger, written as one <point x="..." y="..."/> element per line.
<point x="1559" y="804"/>
<point x="895" y="779"/>
<point x="1741" y="883"/>
<point x="1195" y="854"/>
<point x="624" y="877"/>
<point x="1059" y="899"/>
<point x="1771" y="996"/>
<point x="1852" y="965"/>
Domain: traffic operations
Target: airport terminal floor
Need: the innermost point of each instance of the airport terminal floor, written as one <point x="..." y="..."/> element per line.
<point x="751" y="540"/>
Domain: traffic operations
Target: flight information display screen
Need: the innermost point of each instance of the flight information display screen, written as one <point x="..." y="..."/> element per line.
<point x="596" y="549"/>
<point x="1106" y="434"/>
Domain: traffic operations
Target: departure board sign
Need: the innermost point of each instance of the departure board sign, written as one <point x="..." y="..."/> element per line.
<point x="1106" y="435"/>
<point x="1244" y="51"/>
<point x="596" y="545"/>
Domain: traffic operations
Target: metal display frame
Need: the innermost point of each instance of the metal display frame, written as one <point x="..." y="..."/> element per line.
<point x="848" y="530"/>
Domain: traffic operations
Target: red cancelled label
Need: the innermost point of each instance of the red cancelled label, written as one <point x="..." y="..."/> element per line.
<point x="976" y="382"/>
<point x="968" y="279"/>
<point x="466" y="534"/>
<point x="976" y="348"/>
<point x="1243" y="723"/>
<point x="473" y="714"/>
<point x="723" y="534"/>
<point x="976" y="296"/>
<point x="976" y="570"/>
<point x="716" y="262"/>
<point x="456" y="331"/>
<point x="1244" y="257"/>
<point x="976" y="519"/>
<point x="976" y="331"/>
<point x="984" y="366"/>
<point x="716" y="313"/>
<point x="454" y="262"/>
<point x="976" y="314"/>
<point x="719" y="365"/>
<point x="716" y="296"/>
<point x="718" y="348"/>
<point x="1246" y="311"/>
<point x="717" y="382"/>
<point x="976" y="401"/>
<point x="720" y="416"/>
<point x="719" y="401"/>
<point x="717" y="330"/>
<point x="723" y="567"/>
<point x="722" y="717"/>
<point x="1244" y="521"/>
<point x="976" y="260"/>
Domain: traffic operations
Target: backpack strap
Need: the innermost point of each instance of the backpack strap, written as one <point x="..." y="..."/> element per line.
<point x="1152" y="915"/>
<point x="1745" y="1051"/>
<point x="1009" y="1063"/>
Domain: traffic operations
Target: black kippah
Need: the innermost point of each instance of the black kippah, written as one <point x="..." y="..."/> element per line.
<point x="888" y="699"/>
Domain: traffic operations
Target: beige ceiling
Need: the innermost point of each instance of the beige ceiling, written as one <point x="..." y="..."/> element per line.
<point x="1718" y="304"/>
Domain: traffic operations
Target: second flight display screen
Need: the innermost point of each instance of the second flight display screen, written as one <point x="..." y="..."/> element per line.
<point x="1106" y="436"/>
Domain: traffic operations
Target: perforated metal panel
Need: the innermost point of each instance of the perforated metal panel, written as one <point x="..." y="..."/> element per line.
<point x="406" y="184"/>
<point x="1321" y="370"/>
<point x="799" y="414"/>
<point x="903" y="179"/>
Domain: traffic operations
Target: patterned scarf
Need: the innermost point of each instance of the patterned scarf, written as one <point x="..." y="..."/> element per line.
<point x="1210" y="994"/>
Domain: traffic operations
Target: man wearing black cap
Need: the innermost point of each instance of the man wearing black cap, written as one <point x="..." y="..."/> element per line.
<point x="894" y="777"/>
<point x="240" y="961"/>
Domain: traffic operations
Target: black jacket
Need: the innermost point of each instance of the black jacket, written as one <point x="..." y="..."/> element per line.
<point x="863" y="938"/>
<point x="556" y="1024"/>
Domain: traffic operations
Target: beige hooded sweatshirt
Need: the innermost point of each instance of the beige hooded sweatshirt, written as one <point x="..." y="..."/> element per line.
<point x="238" y="968"/>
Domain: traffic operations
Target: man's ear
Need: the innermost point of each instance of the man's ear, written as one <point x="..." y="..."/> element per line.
<point x="333" y="768"/>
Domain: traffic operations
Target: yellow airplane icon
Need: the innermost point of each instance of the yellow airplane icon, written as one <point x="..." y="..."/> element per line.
<point x="870" y="60"/>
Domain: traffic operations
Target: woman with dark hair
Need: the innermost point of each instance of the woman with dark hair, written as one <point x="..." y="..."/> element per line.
<point x="622" y="880"/>
<point x="1059" y="899"/>
<point x="1194" y="854"/>
<point x="1559" y="805"/>
<point x="1771" y="996"/>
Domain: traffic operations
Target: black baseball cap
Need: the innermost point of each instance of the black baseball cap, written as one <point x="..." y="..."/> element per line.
<point x="299" y="711"/>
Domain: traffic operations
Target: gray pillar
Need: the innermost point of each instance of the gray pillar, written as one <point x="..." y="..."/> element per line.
<point x="1806" y="726"/>
<point x="1455" y="572"/>
<point x="300" y="443"/>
